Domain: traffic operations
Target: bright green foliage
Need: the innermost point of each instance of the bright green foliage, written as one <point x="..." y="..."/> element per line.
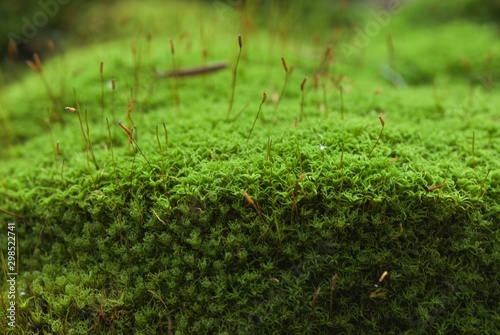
<point x="162" y="238"/>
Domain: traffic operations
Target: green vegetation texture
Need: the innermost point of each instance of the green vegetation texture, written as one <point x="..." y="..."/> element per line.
<point x="387" y="160"/>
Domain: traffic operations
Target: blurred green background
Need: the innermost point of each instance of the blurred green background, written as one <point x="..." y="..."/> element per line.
<point x="69" y="22"/>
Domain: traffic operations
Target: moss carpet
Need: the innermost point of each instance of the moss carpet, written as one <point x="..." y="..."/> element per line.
<point x="150" y="206"/>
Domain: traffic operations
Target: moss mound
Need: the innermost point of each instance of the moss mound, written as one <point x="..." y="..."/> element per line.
<point x="193" y="225"/>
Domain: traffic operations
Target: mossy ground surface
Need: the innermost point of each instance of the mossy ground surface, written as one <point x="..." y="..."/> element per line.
<point x="161" y="237"/>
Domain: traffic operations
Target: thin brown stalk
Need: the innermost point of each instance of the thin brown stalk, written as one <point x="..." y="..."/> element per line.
<point x="36" y="65"/>
<point x="342" y="109"/>
<point x="101" y="68"/>
<point x="341" y="167"/>
<point x="162" y="159"/>
<point x="49" y="123"/>
<point x="134" y="142"/>
<point x="113" y="155"/>
<point x="302" y="115"/>
<point x="91" y="149"/>
<point x="382" y="122"/>
<point x="481" y="192"/>
<point x="315" y="298"/>
<point x="332" y="288"/>
<point x="59" y="152"/>
<point x="38" y="243"/>
<point x="233" y="85"/>
<point x="130" y="109"/>
<point x="264" y="98"/>
<point x="473" y="144"/>
<point x="323" y="66"/>
<point x="113" y="88"/>
<point x="166" y="136"/>
<point x="287" y="74"/>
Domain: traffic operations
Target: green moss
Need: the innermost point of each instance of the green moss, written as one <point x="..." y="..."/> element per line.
<point x="163" y="239"/>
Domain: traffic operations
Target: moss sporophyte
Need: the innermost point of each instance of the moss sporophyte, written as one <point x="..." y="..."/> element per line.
<point x="167" y="198"/>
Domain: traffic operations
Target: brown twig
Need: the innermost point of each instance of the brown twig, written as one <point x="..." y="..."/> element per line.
<point x="382" y="276"/>
<point x="251" y="202"/>
<point x="193" y="71"/>
<point x="158" y="217"/>
<point x="10" y="213"/>
<point x="432" y="188"/>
